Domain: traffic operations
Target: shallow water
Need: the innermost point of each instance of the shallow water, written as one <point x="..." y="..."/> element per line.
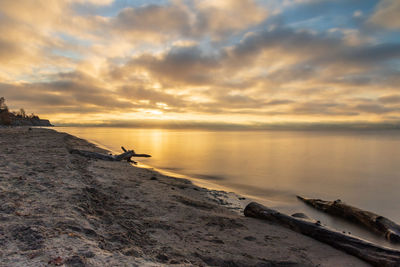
<point x="359" y="167"/>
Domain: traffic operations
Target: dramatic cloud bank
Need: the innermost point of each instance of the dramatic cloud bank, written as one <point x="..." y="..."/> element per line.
<point x="216" y="62"/>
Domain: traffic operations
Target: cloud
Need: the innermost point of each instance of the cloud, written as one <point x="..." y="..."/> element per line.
<point x="222" y="18"/>
<point x="186" y="65"/>
<point x="374" y="108"/>
<point x="372" y="54"/>
<point x="151" y="96"/>
<point x="299" y="71"/>
<point x="93" y="2"/>
<point x="191" y="19"/>
<point x="285" y="54"/>
<point x="327" y="108"/>
<point x="72" y="91"/>
<point x="317" y="48"/>
<point x="152" y="20"/>
<point x="31" y="36"/>
<point x="182" y="63"/>
<point x="197" y="60"/>
<point x="390" y="99"/>
<point x="386" y="14"/>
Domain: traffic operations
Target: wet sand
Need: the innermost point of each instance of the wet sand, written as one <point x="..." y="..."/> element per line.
<point x="62" y="209"/>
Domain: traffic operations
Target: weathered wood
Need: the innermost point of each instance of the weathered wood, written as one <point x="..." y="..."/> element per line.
<point x="369" y="220"/>
<point x="369" y="252"/>
<point x="127" y="155"/>
<point x="136" y="155"/>
<point x="94" y="155"/>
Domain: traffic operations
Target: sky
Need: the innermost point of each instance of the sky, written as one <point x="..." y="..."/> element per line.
<point x="204" y="62"/>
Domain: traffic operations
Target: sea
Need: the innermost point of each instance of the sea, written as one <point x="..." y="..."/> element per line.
<point x="359" y="167"/>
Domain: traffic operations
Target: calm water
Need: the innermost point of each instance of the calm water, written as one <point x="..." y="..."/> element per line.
<point x="360" y="167"/>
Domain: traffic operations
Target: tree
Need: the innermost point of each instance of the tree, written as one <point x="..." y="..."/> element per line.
<point x="4" y="114"/>
<point x="32" y="116"/>
<point x="22" y="113"/>
<point x="3" y="105"/>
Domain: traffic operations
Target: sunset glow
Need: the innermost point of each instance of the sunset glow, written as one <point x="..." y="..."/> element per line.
<point x="247" y="62"/>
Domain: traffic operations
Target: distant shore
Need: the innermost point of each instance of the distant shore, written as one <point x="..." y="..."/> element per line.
<point x="58" y="208"/>
<point x="19" y="118"/>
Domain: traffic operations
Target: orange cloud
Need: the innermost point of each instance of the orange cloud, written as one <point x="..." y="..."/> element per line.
<point x="191" y="60"/>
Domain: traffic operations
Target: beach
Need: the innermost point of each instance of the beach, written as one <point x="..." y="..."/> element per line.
<point x="63" y="209"/>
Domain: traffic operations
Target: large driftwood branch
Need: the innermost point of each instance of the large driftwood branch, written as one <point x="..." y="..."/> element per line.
<point x="369" y="220"/>
<point x="127" y="155"/>
<point x="371" y="253"/>
<point x="90" y="154"/>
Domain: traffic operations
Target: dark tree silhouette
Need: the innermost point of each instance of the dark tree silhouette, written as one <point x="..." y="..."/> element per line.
<point x="22" y="113"/>
<point x="3" y="105"/>
<point x="4" y="114"/>
<point x="20" y="117"/>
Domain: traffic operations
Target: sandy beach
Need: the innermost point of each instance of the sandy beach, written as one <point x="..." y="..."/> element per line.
<point x="62" y="209"/>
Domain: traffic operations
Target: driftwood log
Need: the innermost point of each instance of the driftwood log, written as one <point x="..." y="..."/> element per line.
<point x="369" y="252"/>
<point x="369" y="220"/>
<point x="127" y="155"/>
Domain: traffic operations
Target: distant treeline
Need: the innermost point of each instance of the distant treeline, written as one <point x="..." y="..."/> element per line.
<point x="19" y="118"/>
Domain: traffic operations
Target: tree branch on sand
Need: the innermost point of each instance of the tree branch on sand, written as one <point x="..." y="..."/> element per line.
<point x="373" y="222"/>
<point x="369" y="252"/>
<point x="127" y="155"/>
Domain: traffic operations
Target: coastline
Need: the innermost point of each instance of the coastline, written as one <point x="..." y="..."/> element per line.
<point x="222" y="194"/>
<point x="281" y="200"/>
<point x="94" y="213"/>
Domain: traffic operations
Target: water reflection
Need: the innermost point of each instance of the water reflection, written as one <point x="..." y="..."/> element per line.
<point x="360" y="168"/>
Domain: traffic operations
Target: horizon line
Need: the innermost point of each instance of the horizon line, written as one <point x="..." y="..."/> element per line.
<point x="244" y="127"/>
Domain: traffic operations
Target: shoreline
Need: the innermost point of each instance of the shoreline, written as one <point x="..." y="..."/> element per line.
<point x="59" y="207"/>
<point x="205" y="183"/>
<point x="236" y="198"/>
<point x="215" y="190"/>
